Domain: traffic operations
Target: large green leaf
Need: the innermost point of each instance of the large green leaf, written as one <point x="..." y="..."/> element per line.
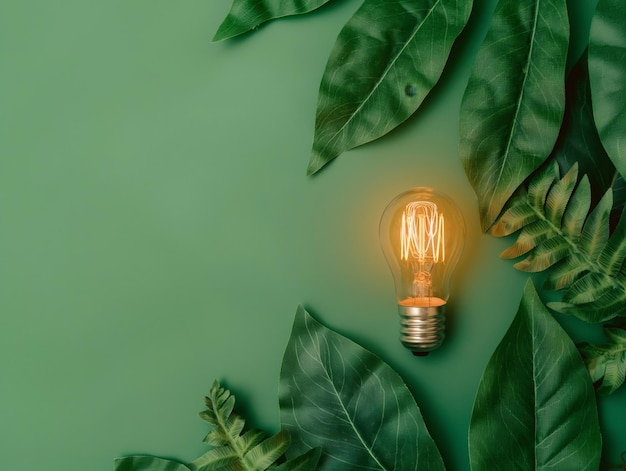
<point x="148" y="463"/>
<point x="385" y="61"/>
<point x="607" y="363"/>
<point x="246" y="15"/>
<point x="514" y="102"/>
<point x="607" y="70"/>
<point x="535" y="406"/>
<point x="337" y="395"/>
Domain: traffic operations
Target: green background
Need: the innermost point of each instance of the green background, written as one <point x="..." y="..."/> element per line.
<point x="158" y="231"/>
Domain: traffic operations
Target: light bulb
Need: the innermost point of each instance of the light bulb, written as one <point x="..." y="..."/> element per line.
<point x="422" y="235"/>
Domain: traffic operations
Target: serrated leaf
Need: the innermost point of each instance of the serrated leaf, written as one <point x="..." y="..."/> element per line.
<point x="514" y="102"/>
<point x="607" y="73"/>
<point x="148" y="463"/>
<point x="535" y="406"/>
<point x="337" y="395"/>
<point x="559" y="196"/>
<point x="215" y="459"/>
<point x="246" y="15"/>
<point x="614" y="252"/>
<point x="577" y="209"/>
<point x="546" y="254"/>
<point x="596" y="229"/>
<point x="566" y="272"/>
<point x="250" y="451"/>
<point x="267" y="452"/>
<point x="607" y="363"/>
<point x="611" y="304"/>
<point x="539" y="186"/>
<point x="531" y="236"/>
<point x="384" y="63"/>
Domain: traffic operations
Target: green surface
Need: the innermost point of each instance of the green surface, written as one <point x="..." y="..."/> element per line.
<point x="157" y="230"/>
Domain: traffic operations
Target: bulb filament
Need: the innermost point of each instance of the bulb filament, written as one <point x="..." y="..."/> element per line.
<point x="422" y="234"/>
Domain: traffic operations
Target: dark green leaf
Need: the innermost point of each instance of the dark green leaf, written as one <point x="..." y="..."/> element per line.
<point x="386" y="60"/>
<point x="246" y="15"/>
<point x="535" y="407"/>
<point x="578" y="141"/>
<point x="147" y="463"/>
<point x="306" y="462"/>
<point x="607" y="363"/>
<point x="607" y="73"/>
<point x="337" y="395"/>
<point x="514" y="101"/>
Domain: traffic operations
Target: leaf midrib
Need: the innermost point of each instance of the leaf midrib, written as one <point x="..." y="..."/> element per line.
<point x="383" y="75"/>
<point x="575" y="250"/>
<point x="496" y="187"/>
<point x="352" y="424"/>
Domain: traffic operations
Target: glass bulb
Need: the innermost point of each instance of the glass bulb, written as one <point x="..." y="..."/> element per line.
<point x="422" y="235"/>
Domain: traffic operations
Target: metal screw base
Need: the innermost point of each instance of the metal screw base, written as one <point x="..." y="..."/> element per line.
<point x="422" y="329"/>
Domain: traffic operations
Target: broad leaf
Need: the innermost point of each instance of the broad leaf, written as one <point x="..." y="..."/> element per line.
<point x="607" y="70"/>
<point x="385" y="61"/>
<point x="246" y="15"/>
<point x="337" y="395"/>
<point x="514" y="102"/>
<point x="607" y="363"/>
<point x="147" y="463"/>
<point x="535" y="406"/>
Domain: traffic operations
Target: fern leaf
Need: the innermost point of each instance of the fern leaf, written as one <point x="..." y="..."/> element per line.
<point x="545" y="255"/>
<point x="607" y="363"/>
<point x="559" y="195"/>
<point x="614" y="253"/>
<point x="531" y="236"/>
<point x="565" y="272"/>
<point x="577" y="209"/>
<point x="554" y="232"/>
<point x="234" y="451"/>
<point x="217" y="458"/>
<point x="540" y="185"/>
<point x="268" y="451"/>
<point x="596" y="229"/>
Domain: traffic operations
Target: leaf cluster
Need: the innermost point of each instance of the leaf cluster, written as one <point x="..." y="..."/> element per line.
<point x="233" y="448"/>
<point x="607" y="363"/>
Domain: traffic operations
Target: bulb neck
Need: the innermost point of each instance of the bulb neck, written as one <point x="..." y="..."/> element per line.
<point x="422" y="329"/>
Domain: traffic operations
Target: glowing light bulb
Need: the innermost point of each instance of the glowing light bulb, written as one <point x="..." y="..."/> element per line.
<point x="422" y="235"/>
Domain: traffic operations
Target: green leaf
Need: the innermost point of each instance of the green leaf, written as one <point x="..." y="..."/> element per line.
<point x="535" y="406"/>
<point x="607" y="70"/>
<point x="514" y="102"/>
<point x="306" y="462"/>
<point x="148" y="463"/>
<point x="607" y="363"/>
<point x="252" y="451"/>
<point x="578" y="141"/>
<point x="246" y="15"/>
<point x="337" y="395"/>
<point x="385" y="61"/>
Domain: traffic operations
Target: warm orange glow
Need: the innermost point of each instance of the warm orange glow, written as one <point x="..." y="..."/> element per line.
<point x="422" y="233"/>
